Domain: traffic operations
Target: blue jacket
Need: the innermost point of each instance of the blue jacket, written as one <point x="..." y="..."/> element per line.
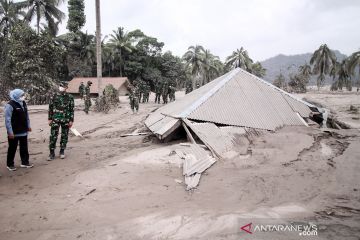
<point x="15" y="96"/>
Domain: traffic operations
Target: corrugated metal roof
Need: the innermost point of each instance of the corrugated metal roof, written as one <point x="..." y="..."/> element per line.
<point x="164" y="126"/>
<point x="237" y="98"/>
<point x="246" y="102"/>
<point x="196" y="160"/>
<point x="212" y="136"/>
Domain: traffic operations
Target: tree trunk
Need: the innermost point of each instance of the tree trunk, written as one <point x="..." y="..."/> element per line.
<point x="98" y="47"/>
<point x="121" y="63"/>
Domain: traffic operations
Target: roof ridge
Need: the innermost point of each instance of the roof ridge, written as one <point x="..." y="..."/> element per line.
<point x="207" y="95"/>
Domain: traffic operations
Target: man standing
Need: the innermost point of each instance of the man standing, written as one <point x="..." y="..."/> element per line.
<point x="165" y="91"/>
<point x="17" y="125"/>
<point x="81" y="90"/>
<point x="134" y="97"/>
<point x="87" y="99"/>
<point x="61" y="115"/>
<point x="146" y="93"/>
<point x="158" y="89"/>
<point x="172" y="90"/>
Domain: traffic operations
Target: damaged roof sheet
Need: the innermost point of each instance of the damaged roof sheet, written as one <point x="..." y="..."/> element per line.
<point x="237" y="98"/>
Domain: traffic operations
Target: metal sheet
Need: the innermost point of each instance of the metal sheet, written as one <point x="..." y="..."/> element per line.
<point x="246" y="102"/>
<point x="237" y="98"/>
<point x="196" y="160"/>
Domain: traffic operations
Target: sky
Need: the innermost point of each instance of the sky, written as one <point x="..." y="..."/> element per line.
<point x="265" y="28"/>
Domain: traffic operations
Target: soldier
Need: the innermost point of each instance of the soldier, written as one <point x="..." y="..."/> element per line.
<point x="165" y="92"/>
<point x="134" y="97"/>
<point x="188" y="86"/>
<point x="146" y="93"/>
<point x="61" y="114"/>
<point x="87" y="99"/>
<point x="172" y="90"/>
<point x="158" y="91"/>
<point x="81" y="90"/>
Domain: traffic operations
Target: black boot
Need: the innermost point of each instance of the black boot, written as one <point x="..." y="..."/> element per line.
<point x="52" y="155"/>
<point x="62" y="153"/>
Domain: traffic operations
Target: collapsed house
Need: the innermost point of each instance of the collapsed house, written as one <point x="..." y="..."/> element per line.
<point x="232" y="105"/>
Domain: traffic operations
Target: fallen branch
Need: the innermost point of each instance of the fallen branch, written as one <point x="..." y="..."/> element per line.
<point x="92" y="191"/>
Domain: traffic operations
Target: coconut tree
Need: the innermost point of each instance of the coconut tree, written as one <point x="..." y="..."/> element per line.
<point x="240" y="58"/>
<point x="44" y="9"/>
<point x="121" y="42"/>
<point x="194" y="59"/>
<point x="211" y="66"/>
<point x="305" y="70"/>
<point x="98" y="46"/>
<point x="323" y="59"/>
<point x="258" y="70"/>
<point x="10" y="13"/>
<point x="354" y="61"/>
<point x="108" y="59"/>
<point x="344" y="76"/>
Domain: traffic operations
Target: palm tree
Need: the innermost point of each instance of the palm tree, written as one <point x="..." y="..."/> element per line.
<point x="211" y="66"/>
<point x="121" y="42"/>
<point x="240" y="58"/>
<point x="194" y="59"/>
<point x="354" y="61"/>
<point x="9" y="15"/>
<point x="344" y="76"/>
<point x="323" y="60"/>
<point x="258" y="70"/>
<point x="334" y="70"/>
<point x="53" y="31"/>
<point x="98" y="47"/>
<point x="108" y="59"/>
<point x="305" y="72"/>
<point x="46" y="9"/>
<point x="87" y="47"/>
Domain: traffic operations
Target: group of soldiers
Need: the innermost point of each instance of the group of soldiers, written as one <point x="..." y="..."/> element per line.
<point x="166" y="90"/>
<point x="140" y="92"/>
<point x="84" y="92"/>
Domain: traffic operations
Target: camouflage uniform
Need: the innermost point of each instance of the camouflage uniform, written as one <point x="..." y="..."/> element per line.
<point x="81" y="90"/>
<point x="158" y="92"/>
<point x="134" y="98"/>
<point x="172" y="90"/>
<point x="165" y="92"/>
<point x="61" y="113"/>
<point x="146" y="93"/>
<point x="87" y="99"/>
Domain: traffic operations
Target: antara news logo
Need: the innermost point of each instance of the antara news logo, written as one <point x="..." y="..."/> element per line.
<point x="301" y="229"/>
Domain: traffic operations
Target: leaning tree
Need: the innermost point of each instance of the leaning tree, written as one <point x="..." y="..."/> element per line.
<point x="323" y="59"/>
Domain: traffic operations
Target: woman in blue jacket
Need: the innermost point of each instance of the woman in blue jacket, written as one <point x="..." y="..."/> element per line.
<point x="17" y="124"/>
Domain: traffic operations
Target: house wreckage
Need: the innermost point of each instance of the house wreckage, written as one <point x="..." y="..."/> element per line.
<point x="223" y="113"/>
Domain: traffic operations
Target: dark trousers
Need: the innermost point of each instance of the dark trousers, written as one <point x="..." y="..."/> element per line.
<point x="24" y="153"/>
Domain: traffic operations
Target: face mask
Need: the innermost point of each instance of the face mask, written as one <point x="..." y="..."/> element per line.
<point x="61" y="89"/>
<point x="22" y="98"/>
